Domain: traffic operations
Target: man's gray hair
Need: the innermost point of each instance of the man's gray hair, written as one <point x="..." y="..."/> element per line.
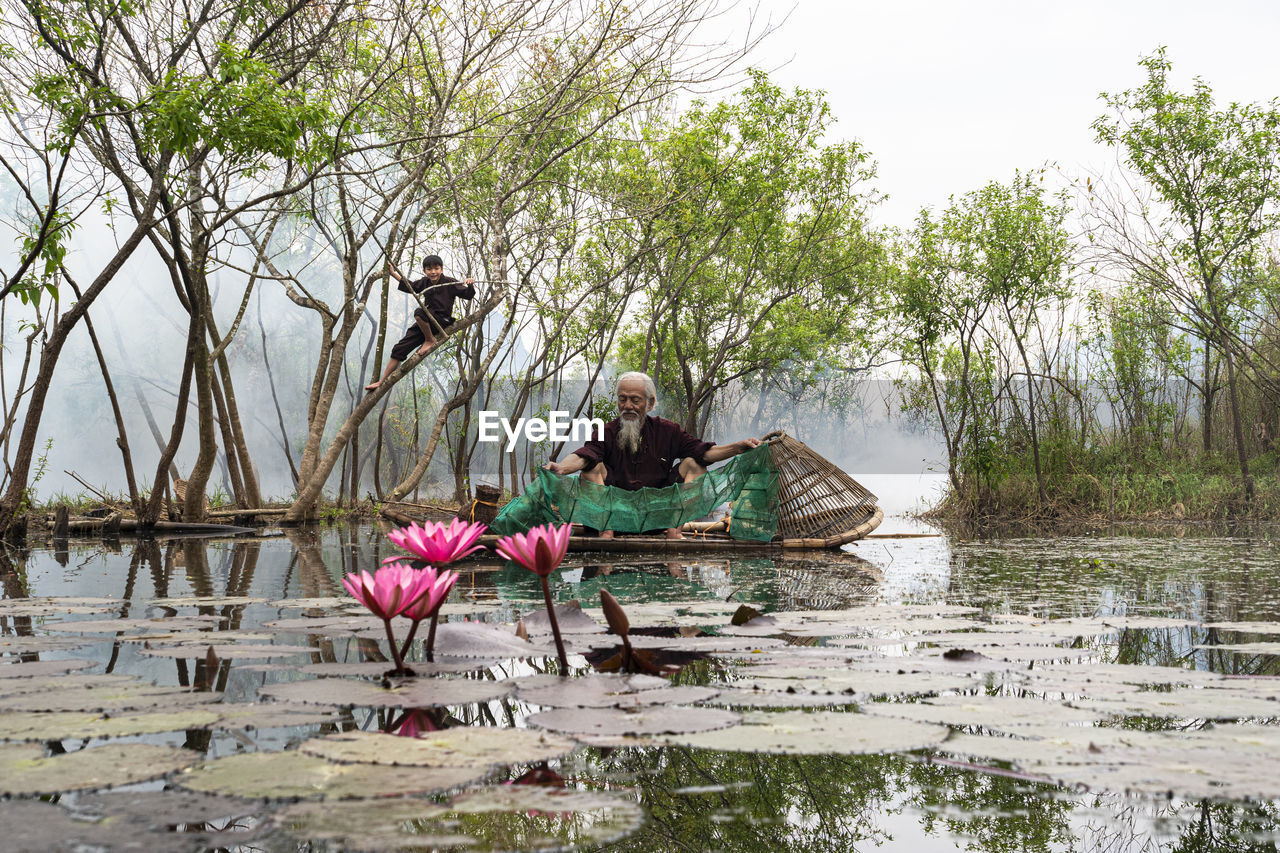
<point x="650" y="390"/>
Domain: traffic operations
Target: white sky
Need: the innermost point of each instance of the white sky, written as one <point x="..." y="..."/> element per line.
<point x="950" y="95"/>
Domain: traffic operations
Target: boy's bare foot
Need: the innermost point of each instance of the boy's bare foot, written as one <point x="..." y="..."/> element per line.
<point x="426" y="348"/>
<point x="674" y="533"/>
<point x="606" y="534"/>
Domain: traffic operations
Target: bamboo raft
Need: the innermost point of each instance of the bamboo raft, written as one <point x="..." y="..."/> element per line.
<point x="820" y="507"/>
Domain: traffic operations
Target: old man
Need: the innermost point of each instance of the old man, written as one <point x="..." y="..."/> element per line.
<point x="640" y="450"/>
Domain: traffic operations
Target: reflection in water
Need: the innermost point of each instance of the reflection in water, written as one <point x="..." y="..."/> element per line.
<point x="697" y="799"/>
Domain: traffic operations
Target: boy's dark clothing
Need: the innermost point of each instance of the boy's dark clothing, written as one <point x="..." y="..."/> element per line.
<point x="438" y="299"/>
<point x="662" y="442"/>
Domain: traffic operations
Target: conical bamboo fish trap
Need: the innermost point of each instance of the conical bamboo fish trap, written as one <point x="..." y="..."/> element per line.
<point x="816" y="500"/>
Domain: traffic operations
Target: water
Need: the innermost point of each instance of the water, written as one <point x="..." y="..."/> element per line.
<point x="692" y="798"/>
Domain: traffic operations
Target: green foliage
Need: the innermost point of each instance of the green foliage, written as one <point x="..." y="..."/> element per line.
<point x="972" y="285"/>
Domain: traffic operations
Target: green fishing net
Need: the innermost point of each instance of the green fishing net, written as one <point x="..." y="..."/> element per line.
<point x="748" y="482"/>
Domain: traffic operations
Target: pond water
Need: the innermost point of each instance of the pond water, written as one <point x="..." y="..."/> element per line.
<point x="945" y="754"/>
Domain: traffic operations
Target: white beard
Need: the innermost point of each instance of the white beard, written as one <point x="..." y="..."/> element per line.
<point x="629" y="434"/>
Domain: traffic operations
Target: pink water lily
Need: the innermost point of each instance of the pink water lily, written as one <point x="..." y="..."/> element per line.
<point x="388" y="592"/>
<point x="439" y="583"/>
<point x="540" y="551"/>
<point x="437" y="543"/>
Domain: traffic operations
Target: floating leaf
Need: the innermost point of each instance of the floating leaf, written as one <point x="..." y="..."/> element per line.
<point x="326" y="626"/>
<point x="515" y="817"/>
<point x="1116" y="673"/>
<point x="817" y="732"/>
<point x="25" y="645"/>
<point x="376" y="669"/>
<point x="275" y="715"/>
<point x="984" y="710"/>
<point x="654" y="720"/>
<point x="569" y="617"/>
<point x="64" y="725"/>
<point x="206" y="601"/>
<point x="601" y="691"/>
<point x="114" y="626"/>
<point x="228" y="651"/>
<point x="125" y="697"/>
<point x="478" y="640"/>
<point x="293" y="775"/>
<point x="1246" y="627"/>
<point x="1244" y="648"/>
<point x="1182" y="703"/>
<point x="710" y="644"/>
<point x="39" y="684"/>
<point x="409" y="693"/>
<point x="464" y="746"/>
<point x="862" y="682"/>
<point x="24" y="771"/>
<point x="32" y="669"/>
<point x="735" y="697"/>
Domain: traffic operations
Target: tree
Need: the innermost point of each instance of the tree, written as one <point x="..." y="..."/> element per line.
<point x="1215" y="176"/>
<point x="759" y="252"/>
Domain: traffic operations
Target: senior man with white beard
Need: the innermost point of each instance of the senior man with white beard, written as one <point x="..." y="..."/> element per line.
<point x="640" y="450"/>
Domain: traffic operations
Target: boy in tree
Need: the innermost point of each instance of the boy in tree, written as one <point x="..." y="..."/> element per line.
<point x="438" y="293"/>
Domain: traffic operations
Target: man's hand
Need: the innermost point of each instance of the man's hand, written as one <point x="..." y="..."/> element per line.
<point x="469" y="280"/>
<point x="572" y="464"/>
<point x="748" y="443"/>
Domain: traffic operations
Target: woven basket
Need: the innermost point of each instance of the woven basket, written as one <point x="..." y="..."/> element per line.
<point x="816" y="500"/>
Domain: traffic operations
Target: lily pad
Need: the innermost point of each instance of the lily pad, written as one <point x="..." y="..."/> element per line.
<point x="514" y="817"/>
<point x="1245" y="648"/>
<point x="605" y="692"/>
<point x="710" y="644"/>
<point x="735" y="697"/>
<point x="24" y="771"/>
<point x="321" y="603"/>
<point x="478" y="640"/>
<point x="24" y="645"/>
<point x="464" y="746"/>
<point x="64" y="725"/>
<point x="166" y="813"/>
<point x="125" y="697"/>
<point x="1184" y="703"/>
<point x="274" y="715"/>
<point x="33" y="669"/>
<point x="816" y="733"/>
<point x="326" y="626"/>
<point x="653" y="720"/>
<point x="1117" y="673"/>
<point x="569" y="617"/>
<point x="410" y="693"/>
<point x="1246" y="627"/>
<point x="293" y="775"/>
<point x="376" y="669"/>
<point x="984" y="710"/>
<point x="851" y="681"/>
<point x="114" y="626"/>
<point x="227" y="651"/>
<point x="78" y="681"/>
<point x="206" y="601"/>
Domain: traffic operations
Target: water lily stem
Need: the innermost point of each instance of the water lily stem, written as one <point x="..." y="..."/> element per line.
<point x="431" y="635"/>
<point x="408" y="641"/>
<point x="395" y="648"/>
<point x="555" y="627"/>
